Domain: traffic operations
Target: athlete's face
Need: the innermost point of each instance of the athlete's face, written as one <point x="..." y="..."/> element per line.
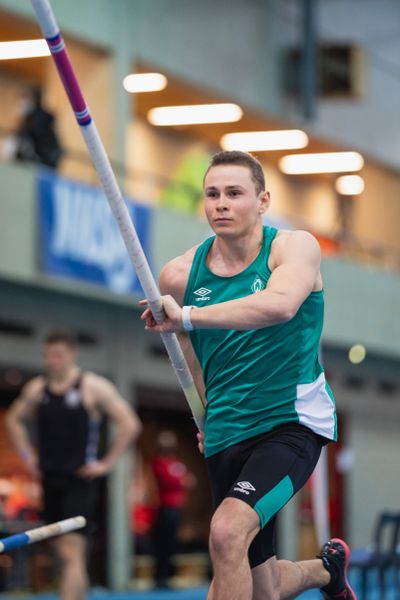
<point x="231" y="202"/>
<point x="58" y="358"/>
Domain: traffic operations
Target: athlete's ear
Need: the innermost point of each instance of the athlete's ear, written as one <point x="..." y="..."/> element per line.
<point x="265" y="201"/>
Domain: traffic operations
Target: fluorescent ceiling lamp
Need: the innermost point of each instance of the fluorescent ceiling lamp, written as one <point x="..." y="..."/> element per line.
<point x="136" y="83"/>
<point x="325" y="162"/>
<point x="265" y="140"/>
<point x="194" y="114"/>
<point x="23" y="49"/>
<point x="349" y="185"/>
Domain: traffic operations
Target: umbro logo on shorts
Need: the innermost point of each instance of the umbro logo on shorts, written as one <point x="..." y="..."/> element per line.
<point x="203" y="294"/>
<point x="245" y="487"/>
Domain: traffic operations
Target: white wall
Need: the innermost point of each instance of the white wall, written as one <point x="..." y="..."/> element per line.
<point x="371" y="124"/>
<point x="224" y="45"/>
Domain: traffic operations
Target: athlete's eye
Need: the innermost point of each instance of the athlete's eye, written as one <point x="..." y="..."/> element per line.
<point x="234" y="193"/>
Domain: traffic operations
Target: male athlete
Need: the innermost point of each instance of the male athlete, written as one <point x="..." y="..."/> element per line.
<point x="67" y="405"/>
<point x="252" y="301"/>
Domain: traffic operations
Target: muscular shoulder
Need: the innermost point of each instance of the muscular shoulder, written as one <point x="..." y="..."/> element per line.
<point x="33" y="389"/>
<point x="97" y="383"/>
<point x="99" y="393"/>
<point x="29" y="398"/>
<point x="292" y="245"/>
<point x="175" y="274"/>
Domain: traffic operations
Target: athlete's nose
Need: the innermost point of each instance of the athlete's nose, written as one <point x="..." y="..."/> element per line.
<point x="222" y="203"/>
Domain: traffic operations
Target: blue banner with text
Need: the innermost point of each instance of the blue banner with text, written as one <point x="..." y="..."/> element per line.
<point x="79" y="236"/>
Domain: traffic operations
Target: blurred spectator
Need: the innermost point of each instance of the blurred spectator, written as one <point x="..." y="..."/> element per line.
<point x="173" y="481"/>
<point x="143" y="500"/>
<point x="185" y="191"/>
<point x="20" y="498"/>
<point x="36" y="140"/>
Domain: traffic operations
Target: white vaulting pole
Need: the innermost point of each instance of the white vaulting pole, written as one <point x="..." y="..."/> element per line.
<point x="109" y="183"/>
<point x="41" y="533"/>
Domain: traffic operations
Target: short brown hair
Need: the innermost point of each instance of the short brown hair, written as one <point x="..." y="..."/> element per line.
<point x="63" y="336"/>
<point x="243" y="159"/>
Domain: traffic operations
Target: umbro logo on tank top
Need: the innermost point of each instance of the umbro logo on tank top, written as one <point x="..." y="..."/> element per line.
<point x="202" y="294"/>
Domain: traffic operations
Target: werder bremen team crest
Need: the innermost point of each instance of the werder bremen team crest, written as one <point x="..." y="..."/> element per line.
<point x="257" y="285"/>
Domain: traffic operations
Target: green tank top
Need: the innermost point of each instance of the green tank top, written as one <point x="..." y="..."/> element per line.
<point x="259" y="379"/>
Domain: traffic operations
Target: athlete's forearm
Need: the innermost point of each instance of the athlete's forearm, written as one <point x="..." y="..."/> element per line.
<point x="19" y="437"/>
<point x="252" y="312"/>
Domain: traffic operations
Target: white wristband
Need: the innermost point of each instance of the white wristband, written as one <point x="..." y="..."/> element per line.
<point x="186" y="322"/>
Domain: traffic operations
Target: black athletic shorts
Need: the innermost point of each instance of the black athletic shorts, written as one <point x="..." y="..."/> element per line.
<point x="265" y="471"/>
<point x="65" y="496"/>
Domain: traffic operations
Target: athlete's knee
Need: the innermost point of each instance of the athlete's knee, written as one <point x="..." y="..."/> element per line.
<point x="232" y="529"/>
<point x="223" y="537"/>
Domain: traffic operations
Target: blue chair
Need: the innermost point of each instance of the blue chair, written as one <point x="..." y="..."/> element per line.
<point x="382" y="554"/>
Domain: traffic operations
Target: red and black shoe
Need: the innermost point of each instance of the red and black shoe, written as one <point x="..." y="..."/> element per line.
<point x="335" y="556"/>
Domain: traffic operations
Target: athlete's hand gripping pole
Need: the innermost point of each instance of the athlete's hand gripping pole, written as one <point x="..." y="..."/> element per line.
<point x="108" y="180"/>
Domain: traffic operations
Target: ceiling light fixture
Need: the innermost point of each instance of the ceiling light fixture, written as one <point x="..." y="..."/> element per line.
<point x="263" y="141"/>
<point x="136" y="83"/>
<point x="23" y="49"/>
<point x="194" y="114"/>
<point x="349" y="185"/>
<point x="324" y="162"/>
